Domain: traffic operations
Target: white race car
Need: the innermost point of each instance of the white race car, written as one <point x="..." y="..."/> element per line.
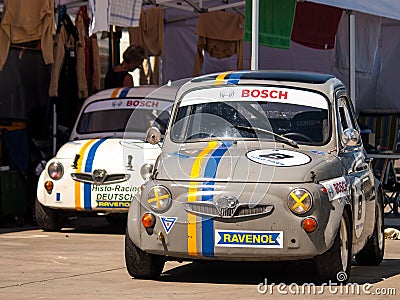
<point x="105" y="161"/>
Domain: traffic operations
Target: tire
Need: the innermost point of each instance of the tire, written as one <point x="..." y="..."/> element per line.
<point x="141" y="265"/>
<point x="48" y="219"/>
<point x="372" y="253"/>
<point x="335" y="264"/>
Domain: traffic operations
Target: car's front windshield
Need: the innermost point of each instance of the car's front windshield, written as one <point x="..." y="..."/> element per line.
<point x="134" y="115"/>
<point x="301" y="116"/>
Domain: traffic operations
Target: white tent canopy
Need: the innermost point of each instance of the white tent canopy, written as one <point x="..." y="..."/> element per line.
<point x="383" y="8"/>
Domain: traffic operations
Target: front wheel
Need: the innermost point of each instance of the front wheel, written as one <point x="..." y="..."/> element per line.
<point x="48" y="219"/>
<point x="372" y="253"/>
<point x="334" y="264"/>
<point x="140" y="264"/>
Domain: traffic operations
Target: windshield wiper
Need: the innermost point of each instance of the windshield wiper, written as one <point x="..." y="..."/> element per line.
<point x="286" y="140"/>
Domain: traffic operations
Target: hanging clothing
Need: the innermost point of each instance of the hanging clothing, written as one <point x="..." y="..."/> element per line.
<point x="149" y="35"/>
<point x="368" y="28"/>
<point x="25" y="21"/>
<point x="114" y="79"/>
<point x="91" y="63"/>
<point x="100" y="11"/>
<point x="125" y="13"/>
<point x="221" y="35"/>
<point x="68" y="44"/>
<point x="315" y="25"/>
<point x="275" y="22"/>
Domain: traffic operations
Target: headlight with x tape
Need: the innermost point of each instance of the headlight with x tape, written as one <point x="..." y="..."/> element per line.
<point x="300" y="201"/>
<point x="159" y="198"/>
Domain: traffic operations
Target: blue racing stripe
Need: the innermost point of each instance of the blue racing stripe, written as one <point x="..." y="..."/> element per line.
<point x="124" y="92"/>
<point x="207" y="228"/>
<point x="234" y="78"/>
<point x="87" y="201"/>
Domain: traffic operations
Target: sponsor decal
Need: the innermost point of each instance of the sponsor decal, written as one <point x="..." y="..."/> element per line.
<point x="115" y="188"/>
<point x="265" y="93"/>
<point x="113" y="204"/>
<point x="278" y="157"/>
<point x="226" y="94"/>
<point x="168" y="222"/>
<point x="127" y="104"/>
<point x="180" y="155"/>
<point x="116" y="103"/>
<point x="114" y="197"/>
<point x="337" y="188"/>
<point x="249" y="239"/>
<point x="142" y="103"/>
<point x="319" y="152"/>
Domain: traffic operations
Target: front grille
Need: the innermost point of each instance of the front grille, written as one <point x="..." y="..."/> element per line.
<point x="241" y="210"/>
<point x="108" y="178"/>
<point x="247" y="210"/>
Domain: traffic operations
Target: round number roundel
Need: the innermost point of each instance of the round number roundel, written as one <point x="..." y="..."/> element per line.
<point x="278" y="157"/>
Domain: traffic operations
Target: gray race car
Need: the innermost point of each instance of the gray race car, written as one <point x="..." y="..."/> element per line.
<point x="259" y="166"/>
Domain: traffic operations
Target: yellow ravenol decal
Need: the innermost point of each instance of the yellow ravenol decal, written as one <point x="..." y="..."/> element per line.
<point x="299" y="201"/>
<point x="157" y="197"/>
<point x="78" y="205"/>
<point x="220" y="78"/>
<point x="194" y="174"/>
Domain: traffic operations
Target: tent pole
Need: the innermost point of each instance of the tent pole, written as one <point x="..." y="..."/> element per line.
<point x="254" y="35"/>
<point x="352" y="59"/>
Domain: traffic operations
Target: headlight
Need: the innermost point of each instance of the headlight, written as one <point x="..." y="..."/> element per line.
<point x="299" y="201"/>
<point x="159" y="198"/>
<point x="55" y="170"/>
<point x="146" y="170"/>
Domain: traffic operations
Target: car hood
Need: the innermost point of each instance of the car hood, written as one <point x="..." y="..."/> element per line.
<point x="112" y="154"/>
<point x="228" y="162"/>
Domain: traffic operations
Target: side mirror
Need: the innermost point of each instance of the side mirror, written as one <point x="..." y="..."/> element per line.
<point x="350" y="137"/>
<point x="153" y="135"/>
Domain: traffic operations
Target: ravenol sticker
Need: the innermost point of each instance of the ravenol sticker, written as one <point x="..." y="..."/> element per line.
<point x="278" y="157"/>
<point x="113" y="204"/>
<point x="249" y="239"/>
<point x="168" y="222"/>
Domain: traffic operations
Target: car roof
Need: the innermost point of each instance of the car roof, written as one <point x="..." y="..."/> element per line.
<point x="325" y="83"/>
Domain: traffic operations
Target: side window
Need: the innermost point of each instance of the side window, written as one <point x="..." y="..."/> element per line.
<point x="345" y="117"/>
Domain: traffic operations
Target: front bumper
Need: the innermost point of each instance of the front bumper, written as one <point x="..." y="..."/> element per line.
<point x="271" y="233"/>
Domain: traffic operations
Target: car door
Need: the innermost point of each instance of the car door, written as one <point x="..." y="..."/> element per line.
<point x="359" y="173"/>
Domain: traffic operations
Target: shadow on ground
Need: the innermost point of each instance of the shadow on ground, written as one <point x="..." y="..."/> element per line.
<point x="274" y="272"/>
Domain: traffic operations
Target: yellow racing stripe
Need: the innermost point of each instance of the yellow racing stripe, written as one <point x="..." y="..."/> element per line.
<point x="115" y="92"/>
<point x="78" y="204"/>
<point x="220" y="78"/>
<point x="194" y="174"/>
